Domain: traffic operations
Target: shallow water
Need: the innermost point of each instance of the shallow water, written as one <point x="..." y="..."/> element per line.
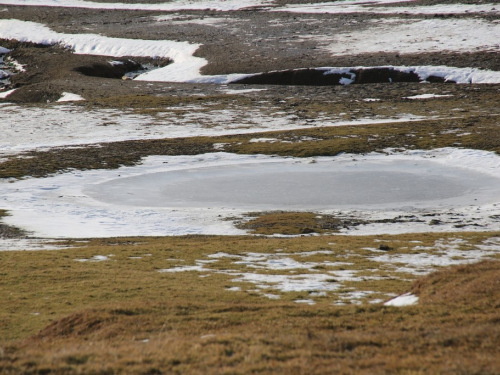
<point x="301" y="185"/>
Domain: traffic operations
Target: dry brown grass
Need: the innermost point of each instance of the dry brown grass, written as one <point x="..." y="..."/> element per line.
<point x="121" y="316"/>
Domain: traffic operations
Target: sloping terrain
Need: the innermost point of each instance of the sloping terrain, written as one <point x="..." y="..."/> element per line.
<point x="108" y="108"/>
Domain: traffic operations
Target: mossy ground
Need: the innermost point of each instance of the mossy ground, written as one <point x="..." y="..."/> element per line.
<point x="293" y="223"/>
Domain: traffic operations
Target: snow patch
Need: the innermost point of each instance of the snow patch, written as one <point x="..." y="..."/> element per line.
<point x="408" y="36"/>
<point x="428" y="96"/>
<point x="406" y="299"/>
<point x="69" y="97"/>
<point x="447" y="73"/>
<point x="5" y="94"/>
<point x="28" y="244"/>
<point x="95" y="258"/>
<point x="220" y="5"/>
<point x="344" y="7"/>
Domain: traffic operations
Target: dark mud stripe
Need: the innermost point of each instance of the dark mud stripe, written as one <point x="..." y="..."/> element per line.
<point x="331" y="77"/>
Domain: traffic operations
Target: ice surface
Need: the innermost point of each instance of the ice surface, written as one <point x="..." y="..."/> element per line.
<point x="58" y="206"/>
<point x="292" y="185"/>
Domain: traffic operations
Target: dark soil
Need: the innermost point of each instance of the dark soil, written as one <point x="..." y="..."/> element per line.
<point x="7" y="231"/>
<point x="320" y="77"/>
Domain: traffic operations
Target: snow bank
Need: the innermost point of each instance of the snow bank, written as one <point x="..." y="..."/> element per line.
<point x="448" y="73"/>
<point x="405" y="36"/>
<point x="221" y="5"/>
<point x="185" y="68"/>
<point x="427" y="96"/>
<point x="458" y="75"/>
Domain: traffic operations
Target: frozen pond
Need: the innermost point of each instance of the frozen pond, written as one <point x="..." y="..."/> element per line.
<point x="349" y="184"/>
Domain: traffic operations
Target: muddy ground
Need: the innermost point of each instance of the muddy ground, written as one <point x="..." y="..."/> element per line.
<point x="246" y="41"/>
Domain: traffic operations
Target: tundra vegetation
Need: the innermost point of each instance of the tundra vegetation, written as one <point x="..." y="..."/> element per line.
<point x="293" y="296"/>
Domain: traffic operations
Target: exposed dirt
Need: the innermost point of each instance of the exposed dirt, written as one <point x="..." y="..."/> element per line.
<point x="316" y="77"/>
<point x="233" y="42"/>
<point x="7" y="231"/>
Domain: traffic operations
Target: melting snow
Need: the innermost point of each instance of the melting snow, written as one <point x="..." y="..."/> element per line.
<point x="221" y="5"/>
<point x="66" y="124"/>
<point x="446" y="254"/>
<point x="406" y="299"/>
<point x="95" y="258"/>
<point x="428" y="96"/>
<point x="5" y="94"/>
<point x="415" y="36"/>
<point x="57" y="206"/>
<point x="306" y="301"/>
<point x="69" y="97"/>
<point x="407" y="36"/>
<point x="16" y="244"/>
<point x="198" y="268"/>
<point x="342" y="7"/>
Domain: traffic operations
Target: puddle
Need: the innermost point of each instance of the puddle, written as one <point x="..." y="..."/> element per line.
<point x="350" y="184"/>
